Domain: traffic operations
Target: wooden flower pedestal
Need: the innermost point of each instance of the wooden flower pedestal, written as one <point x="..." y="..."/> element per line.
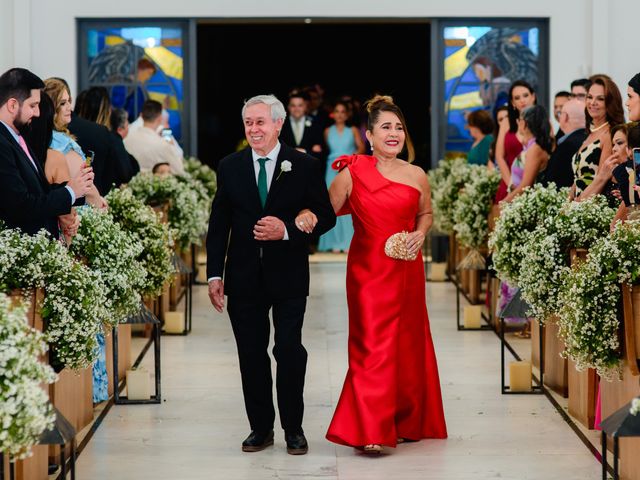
<point x="555" y="367"/>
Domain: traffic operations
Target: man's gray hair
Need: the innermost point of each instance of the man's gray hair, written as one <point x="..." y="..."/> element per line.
<point x="277" y="108"/>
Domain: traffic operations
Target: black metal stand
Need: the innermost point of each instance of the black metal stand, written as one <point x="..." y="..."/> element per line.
<point x="517" y="307"/>
<point x="145" y="316"/>
<point x="12" y="473"/>
<point x="183" y="269"/>
<point x="62" y="434"/>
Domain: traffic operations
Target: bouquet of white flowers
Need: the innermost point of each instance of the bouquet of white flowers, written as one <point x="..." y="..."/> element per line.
<point x="140" y="221"/>
<point x="589" y="300"/>
<point x="535" y="206"/>
<point x="114" y="253"/>
<point x="445" y="182"/>
<point x="546" y="253"/>
<point x="25" y="411"/>
<point x="203" y="173"/>
<point x="74" y="301"/>
<point x="187" y="217"/>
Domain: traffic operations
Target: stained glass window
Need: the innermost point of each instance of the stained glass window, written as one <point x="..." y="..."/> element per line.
<point x="136" y="63"/>
<point x="480" y="62"/>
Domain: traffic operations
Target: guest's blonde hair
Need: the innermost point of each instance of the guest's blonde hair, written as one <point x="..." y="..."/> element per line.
<point x="55" y="87"/>
<point x="384" y="103"/>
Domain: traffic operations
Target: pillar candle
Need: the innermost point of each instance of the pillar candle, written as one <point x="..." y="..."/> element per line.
<point x="438" y="272"/>
<point x="520" y="376"/>
<point x="174" y="322"/>
<point x="472" y="316"/>
<point x="138" y="384"/>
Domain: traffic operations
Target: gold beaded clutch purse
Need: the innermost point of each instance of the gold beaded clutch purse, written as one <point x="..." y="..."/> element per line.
<point x="396" y="247"/>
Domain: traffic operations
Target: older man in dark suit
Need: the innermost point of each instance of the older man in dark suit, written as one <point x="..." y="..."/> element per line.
<point x="254" y="242"/>
<point x="27" y="201"/>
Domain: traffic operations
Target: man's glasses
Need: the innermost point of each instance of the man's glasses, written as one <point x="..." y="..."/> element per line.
<point x="579" y="96"/>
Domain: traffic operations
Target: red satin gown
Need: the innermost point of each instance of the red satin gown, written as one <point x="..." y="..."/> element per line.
<point x="392" y="389"/>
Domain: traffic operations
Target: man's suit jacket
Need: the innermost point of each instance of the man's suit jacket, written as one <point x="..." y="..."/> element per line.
<point x="27" y="201"/>
<point x="560" y="167"/>
<point x="111" y="164"/>
<point x="312" y="135"/>
<point x="279" y="269"/>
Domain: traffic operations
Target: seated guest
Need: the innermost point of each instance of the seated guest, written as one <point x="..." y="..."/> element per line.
<point x="626" y="137"/>
<point x="94" y="105"/>
<point x="63" y="141"/>
<point x="162" y="169"/>
<point x="148" y="147"/>
<point x="27" y="200"/>
<point x="480" y="128"/>
<point x="560" y="168"/>
<point x="119" y="126"/>
<point x="560" y="99"/>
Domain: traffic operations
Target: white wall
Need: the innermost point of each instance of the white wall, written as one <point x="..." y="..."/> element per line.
<point x="586" y="36"/>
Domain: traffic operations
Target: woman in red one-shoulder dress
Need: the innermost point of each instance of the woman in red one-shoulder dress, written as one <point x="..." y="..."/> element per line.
<point x="392" y="390"/>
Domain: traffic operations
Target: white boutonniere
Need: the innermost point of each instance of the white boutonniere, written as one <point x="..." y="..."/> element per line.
<point x="285" y="166"/>
<point x="307" y="123"/>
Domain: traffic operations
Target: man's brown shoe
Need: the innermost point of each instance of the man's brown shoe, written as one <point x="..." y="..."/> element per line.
<point x="257" y="441"/>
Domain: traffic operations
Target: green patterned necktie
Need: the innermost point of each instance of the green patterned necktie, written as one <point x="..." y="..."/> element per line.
<point x="262" y="181"/>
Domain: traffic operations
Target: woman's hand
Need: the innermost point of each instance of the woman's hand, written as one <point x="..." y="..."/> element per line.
<point x="306" y="221"/>
<point x="606" y="169"/>
<point x="415" y="241"/>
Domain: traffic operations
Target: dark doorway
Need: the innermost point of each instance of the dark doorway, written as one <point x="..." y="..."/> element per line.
<point x="238" y="61"/>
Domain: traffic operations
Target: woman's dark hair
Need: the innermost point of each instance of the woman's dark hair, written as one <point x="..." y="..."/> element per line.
<point x="635" y="83"/>
<point x="496" y="111"/>
<point x="481" y="120"/>
<point x="94" y="105"/>
<point x="513" y="111"/>
<point x="347" y="107"/>
<point x="633" y="135"/>
<point x="40" y="133"/>
<point x="384" y="103"/>
<point x="157" y="166"/>
<point x="612" y="100"/>
<point x="537" y="121"/>
<point x="621" y="127"/>
<point x="119" y="117"/>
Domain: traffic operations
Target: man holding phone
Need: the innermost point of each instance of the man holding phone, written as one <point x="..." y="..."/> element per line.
<point x="149" y="146"/>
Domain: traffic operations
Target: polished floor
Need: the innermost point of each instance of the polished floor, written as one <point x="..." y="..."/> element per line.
<point x="197" y="431"/>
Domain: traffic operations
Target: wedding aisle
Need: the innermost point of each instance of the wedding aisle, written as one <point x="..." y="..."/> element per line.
<point x="197" y="431"/>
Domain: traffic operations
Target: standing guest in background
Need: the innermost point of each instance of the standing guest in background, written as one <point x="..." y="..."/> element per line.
<point x="580" y="88"/>
<point x="559" y="100"/>
<point x="119" y="126"/>
<point x="603" y="111"/>
<point x="342" y="139"/>
<point x="560" y="168"/>
<point x="633" y="98"/>
<point x="148" y="146"/>
<point x="27" y="200"/>
<point x="253" y="242"/>
<point x="94" y="105"/>
<point x="62" y="139"/>
<point x="508" y="145"/>
<point x="501" y="113"/>
<point x="299" y="130"/>
<point x="315" y="106"/>
<point x="480" y="128"/>
<point x="161" y="169"/>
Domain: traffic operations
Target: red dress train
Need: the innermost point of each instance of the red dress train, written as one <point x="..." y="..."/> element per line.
<point x="392" y="389"/>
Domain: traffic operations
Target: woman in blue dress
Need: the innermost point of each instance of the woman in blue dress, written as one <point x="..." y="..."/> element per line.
<point x="64" y="143"/>
<point x="341" y="139"/>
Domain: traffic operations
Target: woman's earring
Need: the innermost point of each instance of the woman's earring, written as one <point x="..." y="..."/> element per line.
<point x="371" y="143"/>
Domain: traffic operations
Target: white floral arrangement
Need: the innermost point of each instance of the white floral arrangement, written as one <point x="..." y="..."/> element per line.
<point x="187" y="216"/>
<point x="473" y="205"/>
<point x="142" y="222"/>
<point x="25" y="411"/>
<point x="445" y="182"/>
<point x="546" y="258"/>
<point x="588" y="317"/>
<point x="113" y="253"/>
<point x="635" y="406"/>
<point x="203" y="173"/>
<point x="74" y="298"/>
<point x="535" y="206"/>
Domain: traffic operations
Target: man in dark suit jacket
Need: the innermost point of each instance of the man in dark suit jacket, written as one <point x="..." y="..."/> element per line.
<point x="27" y="201"/>
<point x="560" y="167"/>
<point x="300" y="131"/>
<point x="261" y="190"/>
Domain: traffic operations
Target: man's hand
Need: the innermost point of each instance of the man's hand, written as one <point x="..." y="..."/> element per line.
<point x="216" y="294"/>
<point x="269" y="228"/>
<point x="82" y="183"/>
<point x="317" y="148"/>
<point x="306" y="221"/>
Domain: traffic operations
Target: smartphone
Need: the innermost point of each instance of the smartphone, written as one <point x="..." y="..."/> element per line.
<point x="167" y="134"/>
<point x="88" y="159"/>
<point x="636" y="156"/>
